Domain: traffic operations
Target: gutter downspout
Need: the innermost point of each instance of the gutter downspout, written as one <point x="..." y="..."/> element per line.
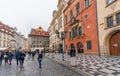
<point x="97" y="27"/>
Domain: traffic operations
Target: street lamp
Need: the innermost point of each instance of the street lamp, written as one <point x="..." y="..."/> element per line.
<point x="44" y="48"/>
<point x="62" y="39"/>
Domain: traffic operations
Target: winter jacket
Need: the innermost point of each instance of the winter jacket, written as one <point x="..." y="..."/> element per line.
<point x="1" y="56"/>
<point x="10" y="55"/>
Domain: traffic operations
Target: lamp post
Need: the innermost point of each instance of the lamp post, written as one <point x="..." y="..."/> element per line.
<point x="62" y="39"/>
<point x="44" y="48"/>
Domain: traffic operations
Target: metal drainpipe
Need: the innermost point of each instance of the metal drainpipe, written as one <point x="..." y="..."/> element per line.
<point x="97" y="27"/>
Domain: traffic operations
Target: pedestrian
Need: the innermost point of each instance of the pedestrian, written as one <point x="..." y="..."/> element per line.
<point x="6" y="58"/>
<point x="10" y="57"/>
<point x="72" y="52"/>
<point x="17" y="57"/>
<point x="40" y="56"/>
<point x="33" y="55"/>
<point x="1" y="58"/>
<point x="29" y="54"/>
<point x="22" y="58"/>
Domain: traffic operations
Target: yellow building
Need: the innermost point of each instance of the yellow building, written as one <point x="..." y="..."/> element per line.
<point x="25" y="44"/>
<point x="108" y="12"/>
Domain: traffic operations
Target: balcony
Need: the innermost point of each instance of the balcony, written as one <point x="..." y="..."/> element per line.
<point x="73" y="21"/>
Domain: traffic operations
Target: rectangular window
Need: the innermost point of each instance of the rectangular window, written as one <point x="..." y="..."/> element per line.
<point x="74" y="32"/>
<point x="0" y="42"/>
<point x="70" y="35"/>
<point x="4" y="43"/>
<point x="66" y="19"/>
<point x="34" y="46"/>
<point x="80" y="30"/>
<point x="4" y="36"/>
<point x="87" y="3"/>
<point x="89" y="45"/>
<point x="110" y="1"/>
<point x="7" y="43"/>
<point x="60" y="23"/>
<point x="71" y="14"/>
<point x="110" y="21"/>
<point x="0" y="35"/>
<point x="66" y="46"/>
<point x="118" y="18"/>
<point x="77" y="8"/>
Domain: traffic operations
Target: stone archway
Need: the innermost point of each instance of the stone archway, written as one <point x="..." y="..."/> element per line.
<point x="114" y="44"/>
<point x="105" y="48"/>
<point x="80" y="47"/>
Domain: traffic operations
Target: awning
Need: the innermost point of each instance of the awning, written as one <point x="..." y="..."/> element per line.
<point x="3" y="48"/>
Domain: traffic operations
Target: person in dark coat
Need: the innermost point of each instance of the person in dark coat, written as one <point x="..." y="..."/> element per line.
<point x="1" y="58"/>
<point x="29" y="54"/>
<point x="10" y="57"/>
<point x="6" y="58"/>
<point x="72" y="52"/>
<point x="17" y="57"/>
<point x="40" y="56"/>
<point x="22" y="58"/>
<point x="33" y="55"/>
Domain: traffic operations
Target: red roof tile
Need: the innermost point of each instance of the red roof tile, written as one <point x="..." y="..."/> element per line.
<point x="6" y="27"/>
<point x="39" y="33"/>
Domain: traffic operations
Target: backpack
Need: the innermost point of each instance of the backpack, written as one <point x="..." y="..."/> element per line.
<point x="5" y="56"/>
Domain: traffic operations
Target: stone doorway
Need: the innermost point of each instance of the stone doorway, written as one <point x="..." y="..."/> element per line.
<point x="114" y="44"/>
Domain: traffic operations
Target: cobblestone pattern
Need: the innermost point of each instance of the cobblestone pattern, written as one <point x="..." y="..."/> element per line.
<point x="92" y="64"/>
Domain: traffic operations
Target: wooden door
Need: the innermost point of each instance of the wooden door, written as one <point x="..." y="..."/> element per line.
<point x="115" y="44"/>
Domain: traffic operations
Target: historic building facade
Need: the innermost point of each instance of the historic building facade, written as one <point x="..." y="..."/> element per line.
<point x="81" y="27"/>
<point x="25" y="44"/>
<point x="52" y="34"/>
<point x="57" y="24"/>
<point x="10" y="39"/>
<point x="109" y="27"/>
<point x="18" y="39"/>
<point x="38" y="39"/>
<point x="6" y="36"/>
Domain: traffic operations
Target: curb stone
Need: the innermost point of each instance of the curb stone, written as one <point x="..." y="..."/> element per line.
<point x="70" y="67"/>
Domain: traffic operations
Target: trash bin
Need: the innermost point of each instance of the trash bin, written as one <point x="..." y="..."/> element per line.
<point x="73" y="61"/>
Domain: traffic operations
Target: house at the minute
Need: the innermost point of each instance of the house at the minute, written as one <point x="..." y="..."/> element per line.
<point x="38" y="39"/>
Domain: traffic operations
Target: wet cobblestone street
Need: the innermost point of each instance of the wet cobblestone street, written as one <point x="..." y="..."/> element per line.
<point x="49" y="68"/>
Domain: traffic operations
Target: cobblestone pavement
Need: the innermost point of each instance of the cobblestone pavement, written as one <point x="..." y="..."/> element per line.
<point x="92" y="64"/>
<point x="49" y="68"/>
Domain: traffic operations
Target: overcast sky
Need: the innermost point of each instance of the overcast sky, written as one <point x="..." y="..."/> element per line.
<point x="27" y="14"/>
